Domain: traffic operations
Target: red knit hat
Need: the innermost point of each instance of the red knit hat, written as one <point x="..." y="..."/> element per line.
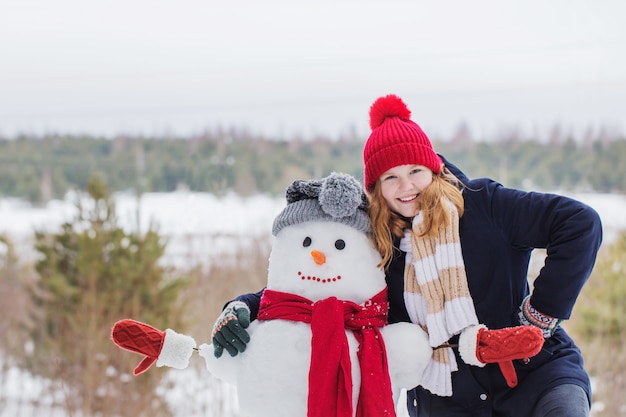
<point x="395" y="140"/>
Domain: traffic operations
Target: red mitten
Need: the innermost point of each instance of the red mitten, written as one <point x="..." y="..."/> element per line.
<point x="140" y="338"/>
<point x="479" y="346"/>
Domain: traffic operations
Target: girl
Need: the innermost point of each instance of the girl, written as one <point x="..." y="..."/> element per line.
<point x="420" y="205"/>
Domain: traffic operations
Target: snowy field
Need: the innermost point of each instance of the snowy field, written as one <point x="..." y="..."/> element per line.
<point x="196" y="225"/>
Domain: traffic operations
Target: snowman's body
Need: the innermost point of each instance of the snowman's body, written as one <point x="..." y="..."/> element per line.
<point x="315" y="260"/>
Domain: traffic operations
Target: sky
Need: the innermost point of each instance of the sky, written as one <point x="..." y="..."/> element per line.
<point x="291" y="68"/>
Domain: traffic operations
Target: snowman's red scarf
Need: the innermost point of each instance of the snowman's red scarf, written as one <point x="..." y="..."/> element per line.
<point x="330" y="377"/>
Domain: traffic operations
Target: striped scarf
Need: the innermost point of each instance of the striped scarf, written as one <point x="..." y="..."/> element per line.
<point x="436" y="295"/>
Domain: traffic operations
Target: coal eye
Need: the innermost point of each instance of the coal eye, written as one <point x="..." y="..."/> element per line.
<point x="307" y="242"/>
<point x="340" y="244"/>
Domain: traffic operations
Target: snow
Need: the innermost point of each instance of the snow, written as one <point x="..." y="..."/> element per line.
<point x="24" y="394"/>
<point x="191" y="213"/>
<point x="197" y="224"/>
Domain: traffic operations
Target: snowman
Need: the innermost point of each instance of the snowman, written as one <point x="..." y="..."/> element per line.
<point x="321" y="345"/>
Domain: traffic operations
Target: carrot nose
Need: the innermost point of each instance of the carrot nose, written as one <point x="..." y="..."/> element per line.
<point x="318" y="257"/>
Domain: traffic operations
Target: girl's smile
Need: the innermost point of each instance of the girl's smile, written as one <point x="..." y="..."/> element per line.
<point x="402" y="186"/>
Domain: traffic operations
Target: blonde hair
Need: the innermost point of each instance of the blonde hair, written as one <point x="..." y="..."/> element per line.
<point x="387" y="225"/>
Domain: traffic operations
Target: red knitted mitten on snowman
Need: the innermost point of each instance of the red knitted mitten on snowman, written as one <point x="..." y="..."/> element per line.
<point x="166" y="348"/>
<point x="479" y="346"/>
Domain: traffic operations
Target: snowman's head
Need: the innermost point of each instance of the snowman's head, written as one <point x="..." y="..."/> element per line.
<point x="322" y="248"/>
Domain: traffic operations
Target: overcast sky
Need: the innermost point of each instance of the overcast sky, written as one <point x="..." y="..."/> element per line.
<point x="281" y="68"/>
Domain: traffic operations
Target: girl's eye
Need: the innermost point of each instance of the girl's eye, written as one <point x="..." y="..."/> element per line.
<point x="416" y="171"/>
<point x="340" y="244"/>
<point x="307" y="242"/>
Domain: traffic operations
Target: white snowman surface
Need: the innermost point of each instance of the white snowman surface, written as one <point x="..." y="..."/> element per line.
<point x="316" y="260"/>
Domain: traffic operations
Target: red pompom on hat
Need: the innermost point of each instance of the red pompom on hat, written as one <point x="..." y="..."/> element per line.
<point x="395" y="140"/>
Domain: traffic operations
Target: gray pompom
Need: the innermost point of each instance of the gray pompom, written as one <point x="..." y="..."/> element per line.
<point x="340" y="195"/>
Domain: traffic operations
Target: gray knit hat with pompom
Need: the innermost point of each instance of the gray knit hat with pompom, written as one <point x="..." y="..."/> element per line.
<point x="336" y="198"/>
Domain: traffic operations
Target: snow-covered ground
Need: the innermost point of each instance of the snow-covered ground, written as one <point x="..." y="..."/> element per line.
<point x="195" y="224"/>
<point x="189" y="393"/>
<point x="175" y="213"/>
<point x="198" y="223"/>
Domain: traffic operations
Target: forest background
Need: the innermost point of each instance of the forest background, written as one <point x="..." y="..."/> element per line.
<point x="44" y="167"/>
<point x="57" y="310"/>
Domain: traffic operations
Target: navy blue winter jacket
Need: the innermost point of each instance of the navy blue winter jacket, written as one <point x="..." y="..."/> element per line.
<point x="498" y="230"/>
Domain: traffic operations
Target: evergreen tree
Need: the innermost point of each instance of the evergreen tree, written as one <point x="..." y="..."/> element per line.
<point x="93" y="273"/>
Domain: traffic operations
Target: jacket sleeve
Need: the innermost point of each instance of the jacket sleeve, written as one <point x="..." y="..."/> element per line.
<point x="252" y="300"/>
<point x="569" y="230"/>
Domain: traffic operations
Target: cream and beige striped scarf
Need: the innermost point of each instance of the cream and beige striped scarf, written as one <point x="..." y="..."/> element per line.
<point x="436" y="295"/>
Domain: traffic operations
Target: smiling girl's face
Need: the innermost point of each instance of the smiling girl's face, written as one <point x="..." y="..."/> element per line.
<point x="402" y="186"/>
